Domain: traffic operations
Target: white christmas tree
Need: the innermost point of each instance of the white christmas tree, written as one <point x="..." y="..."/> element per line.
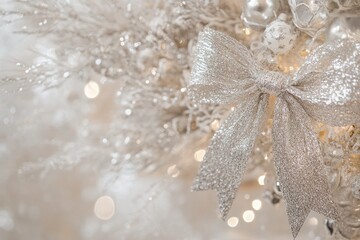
<point x="107" y="113"/>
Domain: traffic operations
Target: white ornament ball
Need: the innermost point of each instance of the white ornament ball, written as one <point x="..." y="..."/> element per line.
<point x="279" y="36"/>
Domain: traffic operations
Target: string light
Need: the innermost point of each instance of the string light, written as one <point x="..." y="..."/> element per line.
<point x="233" y="222"/>
<point x="261" y="180"/>
<point x="91" y="90"/>
<point x="104" y="208"/>
<point x="215" y="125"/>
<point x="128" y="112"/>
<point x="304" y="53"/>
<point x="256" y="204"/>
<point x="247" y="31"/>
<point x="199" y="155"/>
<point x="173" y="171"/>
<point x="98" y="61"/>
<point x="249" y="216"/>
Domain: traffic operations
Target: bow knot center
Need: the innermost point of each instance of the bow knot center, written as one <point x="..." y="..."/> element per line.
<point x="273" y="83"/>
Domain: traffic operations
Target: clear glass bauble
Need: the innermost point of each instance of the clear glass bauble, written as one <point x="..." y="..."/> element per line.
<point x="309" y="15"/>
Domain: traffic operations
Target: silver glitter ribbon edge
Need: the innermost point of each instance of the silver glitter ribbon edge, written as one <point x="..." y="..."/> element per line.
<point x="325" y="88"/>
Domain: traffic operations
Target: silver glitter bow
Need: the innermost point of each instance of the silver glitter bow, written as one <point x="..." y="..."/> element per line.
<point x="326" y="88"/>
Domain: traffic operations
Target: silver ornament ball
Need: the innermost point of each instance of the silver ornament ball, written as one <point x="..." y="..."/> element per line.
<point x="258" y="13"/>
<point x="343" y="27"/>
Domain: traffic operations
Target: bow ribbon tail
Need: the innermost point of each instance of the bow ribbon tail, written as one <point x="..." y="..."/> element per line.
<point x="298" y="162"/>
<point x="228" y="153"/>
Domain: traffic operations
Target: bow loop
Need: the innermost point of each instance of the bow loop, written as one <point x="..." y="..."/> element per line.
<point x="223" y="71"/>
<point x="328" y="83"/>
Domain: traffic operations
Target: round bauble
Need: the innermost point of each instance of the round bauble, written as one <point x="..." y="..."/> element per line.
<point x="309" y="15"/>
<point x="279" y="36"/>
<point x="343" y="27"/>
<point x="259" y="13"/>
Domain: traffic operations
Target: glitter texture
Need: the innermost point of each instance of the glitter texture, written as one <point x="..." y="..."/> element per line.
<point x="325" y="88"/>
